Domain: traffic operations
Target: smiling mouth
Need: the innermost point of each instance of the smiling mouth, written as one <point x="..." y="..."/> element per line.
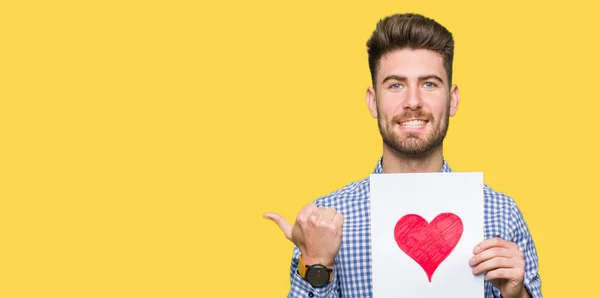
<point x="413" y="123"/>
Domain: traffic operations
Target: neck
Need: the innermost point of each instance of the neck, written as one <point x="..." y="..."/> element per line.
<point x="396" y="162"/>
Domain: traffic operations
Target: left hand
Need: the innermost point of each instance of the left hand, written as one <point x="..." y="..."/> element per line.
<point x="504" y="263"/>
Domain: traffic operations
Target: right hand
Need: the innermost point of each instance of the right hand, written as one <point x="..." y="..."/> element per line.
<point x="317" y="233"/>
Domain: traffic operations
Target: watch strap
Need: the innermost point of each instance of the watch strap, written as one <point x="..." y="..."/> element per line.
<point x="302" y="268"/>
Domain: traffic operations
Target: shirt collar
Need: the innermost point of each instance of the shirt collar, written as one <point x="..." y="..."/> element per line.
<point x="379" y="169"/>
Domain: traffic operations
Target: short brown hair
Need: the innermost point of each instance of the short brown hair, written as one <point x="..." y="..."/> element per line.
<point x="412" y="31"/>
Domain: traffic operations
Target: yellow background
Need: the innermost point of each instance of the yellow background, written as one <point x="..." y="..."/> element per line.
<point x="141" y="141"/>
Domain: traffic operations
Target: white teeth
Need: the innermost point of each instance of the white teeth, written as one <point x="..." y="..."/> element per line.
<point x="413" y="123"/>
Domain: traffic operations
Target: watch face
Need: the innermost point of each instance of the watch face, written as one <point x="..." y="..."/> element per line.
<point x="317" y="275"/>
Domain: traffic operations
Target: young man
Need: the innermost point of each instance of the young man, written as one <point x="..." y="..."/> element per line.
<point x="410" y="59"/>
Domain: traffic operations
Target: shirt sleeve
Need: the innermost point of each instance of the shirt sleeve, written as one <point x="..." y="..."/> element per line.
<point x="522" y="237"/>
<point x="301" y="288"/>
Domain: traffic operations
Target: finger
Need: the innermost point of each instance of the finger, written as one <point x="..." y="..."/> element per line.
<point x="305" y="213"/>
<point x="494" y="242"/>
<point x="491" y="253"/>
<point x="310" y="207"/>
<point x="328" y="215"/>
<point x="316" y="215"/>
<point x="496" y="263"/>
<point x="338" y="219"/>
<point x="285" y="227"/>
<point x="505" y="273"/>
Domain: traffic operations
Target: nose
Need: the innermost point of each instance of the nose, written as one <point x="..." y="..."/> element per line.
<point x="413" y="99"/>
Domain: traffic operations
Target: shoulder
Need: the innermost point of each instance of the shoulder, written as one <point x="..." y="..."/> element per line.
<point x="502" y="215"/>
<point x="499" y="200"/>
<point x="496" y="198"/>
<point x="352" y="192"/>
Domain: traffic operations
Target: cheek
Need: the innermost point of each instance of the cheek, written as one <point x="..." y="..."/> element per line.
<point x="389" y="107"/>
<point x="386" y="114"/>
<point x="439" y="108"/>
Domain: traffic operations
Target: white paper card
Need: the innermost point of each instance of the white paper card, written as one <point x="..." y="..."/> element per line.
<point x="403" y="209"/>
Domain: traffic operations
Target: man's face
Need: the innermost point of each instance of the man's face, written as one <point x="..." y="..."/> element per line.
<point x="412" y="101"/>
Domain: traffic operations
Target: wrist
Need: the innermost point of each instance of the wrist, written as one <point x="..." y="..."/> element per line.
<point x="523" y="294"/>
<point x="314" y="261"/>
<point x="317" y="275"/>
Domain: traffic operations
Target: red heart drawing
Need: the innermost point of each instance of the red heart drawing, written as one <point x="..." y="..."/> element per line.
<point x="428" y="244"/>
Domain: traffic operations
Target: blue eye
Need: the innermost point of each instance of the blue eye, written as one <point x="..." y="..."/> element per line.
<point x="396" y="86"/>
<point x="429" y="85"/>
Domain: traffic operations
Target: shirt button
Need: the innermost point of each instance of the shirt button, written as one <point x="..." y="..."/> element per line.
<point x="310" y="294"/>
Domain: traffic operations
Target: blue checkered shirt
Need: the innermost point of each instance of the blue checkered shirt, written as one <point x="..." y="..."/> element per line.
<point x="352" y="266"/>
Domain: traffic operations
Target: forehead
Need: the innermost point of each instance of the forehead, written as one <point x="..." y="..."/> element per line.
<point x="411" y="64"/>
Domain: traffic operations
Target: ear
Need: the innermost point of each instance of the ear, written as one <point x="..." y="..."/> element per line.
<point x="371" y="99"/>
<point x="454" y="99"/>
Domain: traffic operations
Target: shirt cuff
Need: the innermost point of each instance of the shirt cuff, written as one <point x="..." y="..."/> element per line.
<point x="302" y="288"/>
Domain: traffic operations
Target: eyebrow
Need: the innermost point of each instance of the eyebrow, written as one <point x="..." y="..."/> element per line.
<point x="404" y="79"/>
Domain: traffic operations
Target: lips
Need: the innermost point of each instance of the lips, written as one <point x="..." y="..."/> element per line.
<point x="413" y="123"/>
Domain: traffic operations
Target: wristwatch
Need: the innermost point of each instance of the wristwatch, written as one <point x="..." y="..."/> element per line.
<point x="317" y="275"/>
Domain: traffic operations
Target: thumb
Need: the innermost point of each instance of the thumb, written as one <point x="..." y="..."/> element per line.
<point x="285" y="227"/>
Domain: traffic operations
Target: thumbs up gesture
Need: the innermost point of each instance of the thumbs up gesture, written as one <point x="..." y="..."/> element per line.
<point x="317" y="233"/>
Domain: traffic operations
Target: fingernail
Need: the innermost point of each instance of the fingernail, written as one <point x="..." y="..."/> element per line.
<point x="477" y="248"/>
